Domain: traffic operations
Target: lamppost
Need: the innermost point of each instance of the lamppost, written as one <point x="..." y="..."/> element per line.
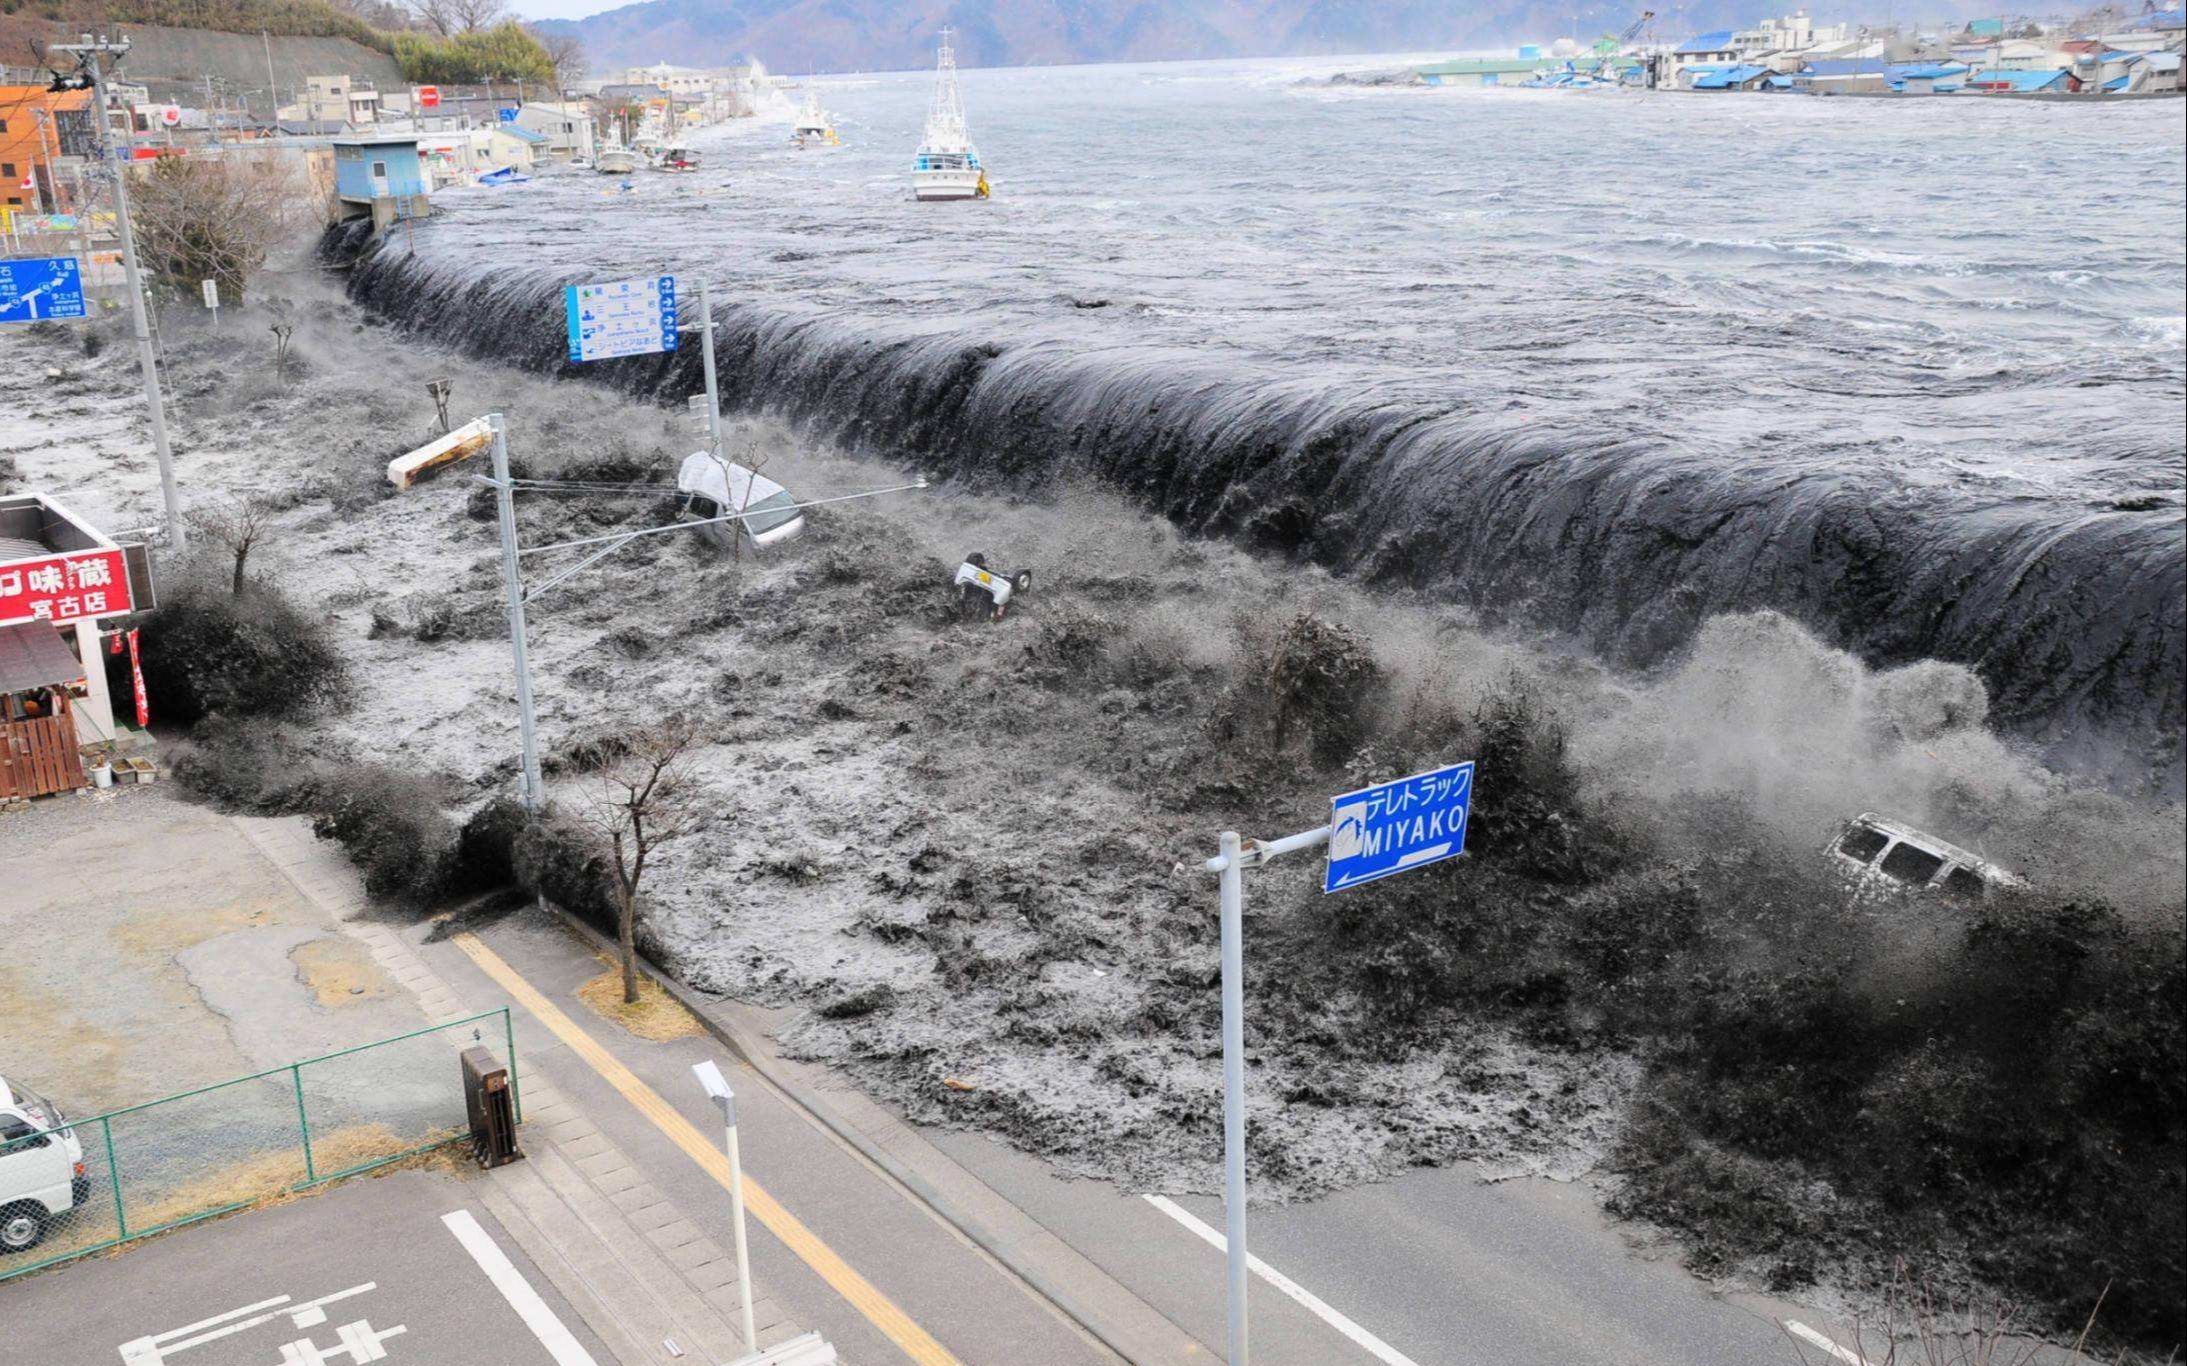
<point x="717" y="1090"/>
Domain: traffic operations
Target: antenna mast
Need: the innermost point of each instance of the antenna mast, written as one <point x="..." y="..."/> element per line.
<point x="948" y="111"/>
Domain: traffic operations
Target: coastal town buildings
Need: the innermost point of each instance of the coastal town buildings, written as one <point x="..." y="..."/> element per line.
<point x="1793" y="54"/>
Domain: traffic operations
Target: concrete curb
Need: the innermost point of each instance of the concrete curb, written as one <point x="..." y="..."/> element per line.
<point x="760" y="1060"/>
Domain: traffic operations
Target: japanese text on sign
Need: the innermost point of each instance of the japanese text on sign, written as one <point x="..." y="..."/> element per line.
<point x="68" y="587"/>
<point x="1397" y="826"/>
<point x="36" y="288"/>
<point x="621" y="317"/>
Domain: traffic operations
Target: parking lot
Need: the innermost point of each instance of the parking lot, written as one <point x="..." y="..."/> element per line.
<point x="407" y="1269"/>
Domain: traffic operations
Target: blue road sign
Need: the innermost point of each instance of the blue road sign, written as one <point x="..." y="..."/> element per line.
<point x="1397" y="827"/>
<point x="35" y="288"/>
<point x="621" y="317"/>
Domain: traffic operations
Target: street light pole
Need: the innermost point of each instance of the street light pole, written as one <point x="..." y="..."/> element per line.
<point x="717" y="1089"/>
<point x="91" y="51"/>
<point x="1233" y="959"/>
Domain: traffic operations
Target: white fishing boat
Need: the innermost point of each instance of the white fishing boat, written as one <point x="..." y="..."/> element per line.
<point x="813" y="127"/>
<point x="616" y="161"/>
<point x="948" y="165"/>
<point x="676" y="157"/>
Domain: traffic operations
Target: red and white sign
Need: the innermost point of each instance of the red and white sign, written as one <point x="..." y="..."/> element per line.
<point x="170" y="114"/>
<point x="65" y="587"/>
<point x="428" y="97"/>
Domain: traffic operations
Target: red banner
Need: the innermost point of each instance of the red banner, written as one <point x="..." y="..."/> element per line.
<point x="136" y="678"/>
<point x="65" y="587"/>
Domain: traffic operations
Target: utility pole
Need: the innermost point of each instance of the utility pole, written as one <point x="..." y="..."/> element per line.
<point x="90" y="51"/>
<point x="512" y="577"/>
<point x="273" y="91"/>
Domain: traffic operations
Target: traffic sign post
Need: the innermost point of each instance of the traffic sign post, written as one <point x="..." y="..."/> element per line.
<point x="1374" y="833"/>
<point x="211" y="290"/>
<point x="39" y="288"/>
<point x="620" y="318"/>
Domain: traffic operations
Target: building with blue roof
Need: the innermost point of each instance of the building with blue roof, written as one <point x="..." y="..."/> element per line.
<point x="1732" y="78"/>
<point x="2027" y="82"/>
<point x="1706" y="46"/>
<point x="1933" y="78"/>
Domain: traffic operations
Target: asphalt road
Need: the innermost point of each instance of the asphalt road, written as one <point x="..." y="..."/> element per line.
<point x="1437" y="1267"/>
<point x="368" y="1270"/>
<point x="978" y="1312"/>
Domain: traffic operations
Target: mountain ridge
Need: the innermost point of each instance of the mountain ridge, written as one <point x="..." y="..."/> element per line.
<point x="874" y="35"/>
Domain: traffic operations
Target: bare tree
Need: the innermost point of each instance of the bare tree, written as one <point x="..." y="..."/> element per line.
<point x="284" y="326"/>
<point x="566" y="54"/>
<point x="451" y="17"/>
<point x="650" y="798"/>
<point x="236" y="526"/>
<point x="200" y="218"/>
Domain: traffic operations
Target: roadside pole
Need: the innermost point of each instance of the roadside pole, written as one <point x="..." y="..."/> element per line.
<point x="146" y="361"/>
<point x="1234" y="857"/>
<point x="513" y="579"/>
<point x="1233" y="915"/>
<point x="717" y="1090"/>
<point x="706" y="348"/>
<point x="1373" y="833"/>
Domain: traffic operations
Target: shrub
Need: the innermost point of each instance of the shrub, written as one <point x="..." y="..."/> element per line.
<point x="207" y="650"/>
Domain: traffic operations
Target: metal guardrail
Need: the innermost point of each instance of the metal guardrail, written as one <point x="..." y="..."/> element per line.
<point x="199" y="1154"/>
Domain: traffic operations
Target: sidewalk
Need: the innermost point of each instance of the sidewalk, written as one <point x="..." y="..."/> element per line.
<point x="646" y="1280"/>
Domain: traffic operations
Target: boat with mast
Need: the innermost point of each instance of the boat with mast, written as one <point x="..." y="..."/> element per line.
<point x="948" y="165"/>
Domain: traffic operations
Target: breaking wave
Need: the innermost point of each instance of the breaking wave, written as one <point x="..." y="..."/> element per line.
<point x="1923" y="430"/>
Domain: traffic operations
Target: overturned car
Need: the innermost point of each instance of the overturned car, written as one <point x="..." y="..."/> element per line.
<point x="1888" y="854"/>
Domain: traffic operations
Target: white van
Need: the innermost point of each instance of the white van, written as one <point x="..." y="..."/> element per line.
<point x="41" y="1168"/>
<point x="718" y="488"/>
<point x="1887" y="853"/>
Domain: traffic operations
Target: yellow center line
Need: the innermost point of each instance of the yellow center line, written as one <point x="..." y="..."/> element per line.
<point x="879" y="1310"/>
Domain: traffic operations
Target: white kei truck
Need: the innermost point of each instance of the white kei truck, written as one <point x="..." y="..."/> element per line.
<point x="41" y="1168"/>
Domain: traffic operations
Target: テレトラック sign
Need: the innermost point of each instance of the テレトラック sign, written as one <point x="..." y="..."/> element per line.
<point x="1398" y="826"/>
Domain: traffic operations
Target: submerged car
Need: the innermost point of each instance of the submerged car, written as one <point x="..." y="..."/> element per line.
<point x="1888" y="853"/>
<point x="714" y="488"/>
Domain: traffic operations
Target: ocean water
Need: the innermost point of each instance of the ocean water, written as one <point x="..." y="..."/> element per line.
<point x="1911" y="371"/>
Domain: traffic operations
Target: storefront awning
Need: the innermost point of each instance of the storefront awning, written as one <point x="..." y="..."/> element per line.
<point x="33" y="655"/>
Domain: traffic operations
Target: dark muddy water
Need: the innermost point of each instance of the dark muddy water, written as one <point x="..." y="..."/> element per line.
<point x="1910" y="371"/>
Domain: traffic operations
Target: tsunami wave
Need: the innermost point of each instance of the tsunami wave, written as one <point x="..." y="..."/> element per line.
<point x="2075" y="618"/>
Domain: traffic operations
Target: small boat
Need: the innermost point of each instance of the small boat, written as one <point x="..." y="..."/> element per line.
<point x="616" y="161"/>
<point x="813" y="127"/>
<point x="677" y="157"/>
<point x="948" y="165"/>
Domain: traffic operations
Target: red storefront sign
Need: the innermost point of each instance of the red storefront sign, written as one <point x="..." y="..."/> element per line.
<point x="65" y="587"/>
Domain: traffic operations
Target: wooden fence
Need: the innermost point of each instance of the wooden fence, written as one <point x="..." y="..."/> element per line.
<point x="40" y="756"/>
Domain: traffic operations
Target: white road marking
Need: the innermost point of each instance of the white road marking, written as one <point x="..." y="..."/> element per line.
<point x="1809" y="1335"/>
<point x="560" y="1344"/>
<point x="1313" y="1303"/>
<point x="153" y="1351"/>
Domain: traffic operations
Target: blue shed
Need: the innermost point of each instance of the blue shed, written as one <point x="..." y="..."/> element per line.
<point x="386" y="166"/>
<point x="382" y="176"/>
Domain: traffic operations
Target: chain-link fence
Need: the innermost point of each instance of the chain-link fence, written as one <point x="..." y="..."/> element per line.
<point x="79" y="1185"/>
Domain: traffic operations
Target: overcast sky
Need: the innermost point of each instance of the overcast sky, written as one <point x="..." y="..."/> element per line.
<point x="564" y="9"/>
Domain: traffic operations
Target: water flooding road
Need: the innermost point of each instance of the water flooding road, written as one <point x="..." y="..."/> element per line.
<point x="1911" y="371"/>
